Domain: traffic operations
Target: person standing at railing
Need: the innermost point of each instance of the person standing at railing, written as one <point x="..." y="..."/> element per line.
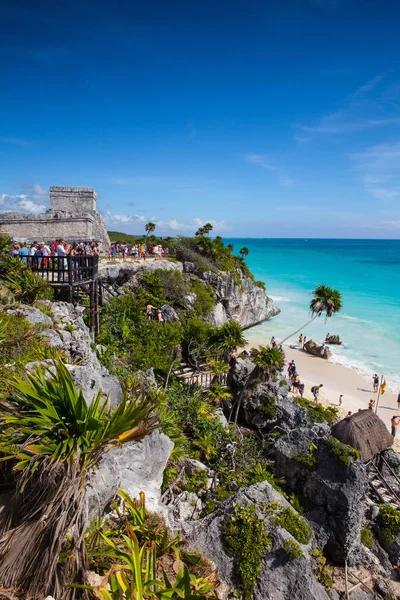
<point x="24" y="253"/>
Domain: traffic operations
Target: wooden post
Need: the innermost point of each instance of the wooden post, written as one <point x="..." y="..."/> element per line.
<point x="379" y="393"/>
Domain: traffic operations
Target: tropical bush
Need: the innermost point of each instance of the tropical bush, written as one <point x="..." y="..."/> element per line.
<point x="24" y="284"/>
<point x="245" y="538"/>
<point x="50" y="440"/>
<point x="341" y="451"/>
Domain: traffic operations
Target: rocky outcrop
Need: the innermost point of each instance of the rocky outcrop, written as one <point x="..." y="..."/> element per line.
<point x="280" y="577"/>
<point x="31" y="314"/>
<point x="127" y="272"/>
<point x="134" y="467"/>
<point x="320" y="351"/>
<point x="333" y="340"/>
<point x="239" y="299"/>
<point x="335" y="491"/>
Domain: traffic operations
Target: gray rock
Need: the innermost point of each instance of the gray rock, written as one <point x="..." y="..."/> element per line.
<point x="134" y="467"/>
<point x="187" y="506"/>
<point x="52" y="337"/>
<point x="239" y="373"/>
<point x="189" y="267"/>
<point x="320" y="351"/>
<point x="93" y="380"/>
<point x="169" y="312"/>
<point x="31" y="314"/>
<point x="242" y="301"/>
<point x="336" y="492"/>
<point x="279" y="578"/>
<point x="333" y="339"/>
<point x="127" y="273"/>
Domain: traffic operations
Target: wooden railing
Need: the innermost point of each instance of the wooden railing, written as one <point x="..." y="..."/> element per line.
<point x="68" y="270"/>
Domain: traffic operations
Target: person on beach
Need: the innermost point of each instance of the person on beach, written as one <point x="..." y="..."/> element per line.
<point x="291" y="369"/>
<point x="301" y="340"/>
<point x="349" y="413"/>
<point x="375" y="381"/>
<point x="304" y="341"/>
<point x="315" y="391"/>
<point x="394" y="421"/>
<point x="301" y="389"/>
<point x="398" y="400"/>
<point x="340" y="399"/>
<point x="371" y="404"/>
<point x="327" y="338"/>
<point x="272" y="341"/>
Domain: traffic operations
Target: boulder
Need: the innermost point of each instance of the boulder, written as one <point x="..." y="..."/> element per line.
<point x="169" y="313"/>
<point x="320" y="351"/>
<point x="134" y="467"/>
<point x="93" y="380"/>
<point x="280" y="578"/>
<point x="333" y="340"/>
<point x="31" y="314"/>
<point x="239" y="373"/>
<point x="335" y="492"/>
<point x="70" y="334"/>
<point x="185" y="507"/>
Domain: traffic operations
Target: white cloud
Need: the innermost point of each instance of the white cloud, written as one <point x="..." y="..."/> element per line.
<point x="35" y="200"/>
<point x="360" y="111"/>
<point x="192" y="226"/>
<point x="116" y="218"/>
<point x="260" y="160"/>
<point x="379" y="167"/>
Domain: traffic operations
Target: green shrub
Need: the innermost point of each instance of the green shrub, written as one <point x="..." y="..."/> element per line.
<point x="310" y="460"/>
<point x="389" y="522"/>
<point x="318" y="413"/>
<point x="204" y="303"/>
<point x="196" y="482"/>
<point x="367" y="537"/>
<point x="295" y="525"/>
<point x="268" y="408"/>
<point x="292" y="549"/>
<point x="342" y="452"/>
<point x="245" y="539"/>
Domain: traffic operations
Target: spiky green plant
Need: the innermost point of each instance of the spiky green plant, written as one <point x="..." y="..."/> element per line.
<point x="50" y="441"/>
<point x="268" y="357"/>
<point x="218" y="393"/>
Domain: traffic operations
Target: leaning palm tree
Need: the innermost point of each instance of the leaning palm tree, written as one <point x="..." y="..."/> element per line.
<point x="325" y="300"/>
<point x="50" y="442"/>
<point x="149" y="227"/>
<point x="244" y="252"/>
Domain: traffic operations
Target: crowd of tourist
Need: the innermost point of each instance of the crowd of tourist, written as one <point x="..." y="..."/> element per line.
<point x="58" y="248"/>
<point x="137" y="251"/>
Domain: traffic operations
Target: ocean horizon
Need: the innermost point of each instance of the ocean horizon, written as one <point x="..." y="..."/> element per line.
<point x="365" y="271"/>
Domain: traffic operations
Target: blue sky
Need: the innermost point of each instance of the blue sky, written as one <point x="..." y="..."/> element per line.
<point x="267" y="118"/>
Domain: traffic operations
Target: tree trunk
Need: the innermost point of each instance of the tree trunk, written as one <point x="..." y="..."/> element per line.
<point x="298" y="330"/>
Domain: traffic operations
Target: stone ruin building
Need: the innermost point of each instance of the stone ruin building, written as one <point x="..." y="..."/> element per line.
<point x="72" y="217"/>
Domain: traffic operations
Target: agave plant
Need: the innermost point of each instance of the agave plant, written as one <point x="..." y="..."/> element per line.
<point x="50" y="441"/>
<point x="218" y="393"/>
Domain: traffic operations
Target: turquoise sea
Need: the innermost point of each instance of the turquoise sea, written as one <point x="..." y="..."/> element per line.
<point x="367" y="272"/>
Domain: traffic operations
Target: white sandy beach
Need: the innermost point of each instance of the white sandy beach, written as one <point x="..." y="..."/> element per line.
<point x="337" y="380"/>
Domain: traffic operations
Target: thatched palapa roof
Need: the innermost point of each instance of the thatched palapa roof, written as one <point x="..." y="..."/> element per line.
<point x="365" y="432"/>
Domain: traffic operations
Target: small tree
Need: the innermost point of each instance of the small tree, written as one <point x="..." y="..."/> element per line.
<point x="149" y="227"/>
<point x="244" y="252"/>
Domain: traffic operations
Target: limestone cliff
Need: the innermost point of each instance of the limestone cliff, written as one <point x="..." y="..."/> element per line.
<point x="237" y="297"/>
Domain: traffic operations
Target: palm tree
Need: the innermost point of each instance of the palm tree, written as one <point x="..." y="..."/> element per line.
<point x="149" y="227"/>
<point x="230" y="247"/>
<point x="268" y="357"/>
<point x="326" y="300"/>
<point x="207" y="228"/>
<point x="218" y="393"/>
<point x="227" y="337"/>
<point x="244" y="252"/>
<point x="50" y="442"/>
<point x="218" y="368"/>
